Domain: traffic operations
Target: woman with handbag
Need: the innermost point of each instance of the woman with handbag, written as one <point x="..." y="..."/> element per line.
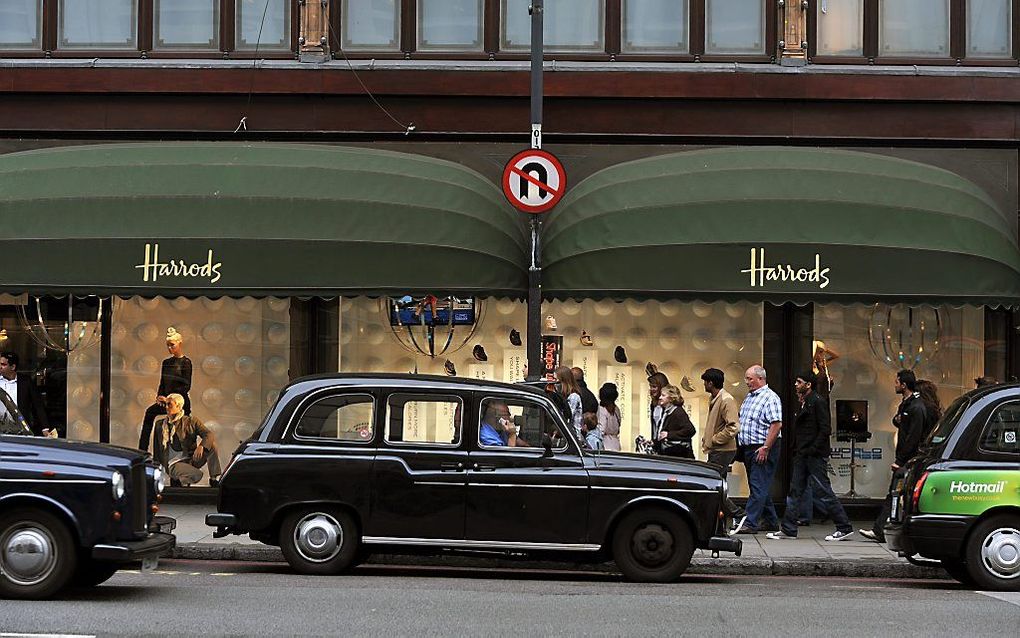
<point x="675" y="432"/>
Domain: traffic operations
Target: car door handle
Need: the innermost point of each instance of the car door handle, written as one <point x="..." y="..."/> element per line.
<point x="451" y="467"/>
<point x="478" y="467"/>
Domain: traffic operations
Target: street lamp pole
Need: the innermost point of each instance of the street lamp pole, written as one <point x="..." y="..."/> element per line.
<point x="535" y="365"/>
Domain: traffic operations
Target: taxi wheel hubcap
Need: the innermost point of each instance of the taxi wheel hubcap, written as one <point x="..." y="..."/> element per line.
<point x="29" y="554"/>
<point x="652" y="544"/>
<point x="1000" y="553"/>
<point x="318" y="537"/>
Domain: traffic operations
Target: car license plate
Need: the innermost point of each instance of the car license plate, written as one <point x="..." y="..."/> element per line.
<point x="149" y="564"/>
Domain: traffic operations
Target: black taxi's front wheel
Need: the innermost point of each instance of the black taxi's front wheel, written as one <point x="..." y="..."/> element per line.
<point x="652" y="545"/>
<point x="993" y="553"/>
<point x="319" y="540"/>
<point x="37" y="554"/>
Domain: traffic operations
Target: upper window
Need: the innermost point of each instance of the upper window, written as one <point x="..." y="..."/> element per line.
<point x="262" y="25"/>
<point x="370" y="24"/>
<point x="450" y="25"/>
<point x="98" y="24"/>
<point x="20" y="24"/>
<point x="989" y="28"/>
<point x="840" y="27"/>
<point x="429" y="419"/>
<point x="344" y="417"/>
<point x="734" y="27"/>
<point x="914" y="28"/>
<point x="188" y="24"/>
<point x="655" y="26"/>
<point x="1002" y="430"/>
<point x="569" y="25"/>
<point x="518" y="424"/>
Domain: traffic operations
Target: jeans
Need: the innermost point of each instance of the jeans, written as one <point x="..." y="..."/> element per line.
<point x="813" y="470"/>
<point x="810" y="504"/>
<point x="725" y="459"/>
<point x="759" y="482"/>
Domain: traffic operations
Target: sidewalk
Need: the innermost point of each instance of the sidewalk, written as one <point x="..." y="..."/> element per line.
<point x="808" y="555"/>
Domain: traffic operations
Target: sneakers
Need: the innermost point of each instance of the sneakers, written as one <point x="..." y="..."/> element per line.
<point x="779" y="536"/>
<point x="871" y="535"/>
<point x="840" y="536"/>
<point x="739" y="527"/>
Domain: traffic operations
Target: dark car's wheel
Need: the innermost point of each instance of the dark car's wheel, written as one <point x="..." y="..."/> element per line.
<point x="958" y="570"/>
<point x="319" y="540"/>
<point x="91" y="572"/>
<point x="993" y="553"/>
<point x="652" y="545"/>
<point x="37" y="554"/>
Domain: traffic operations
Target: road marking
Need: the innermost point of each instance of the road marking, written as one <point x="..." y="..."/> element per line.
<point x="47" y="636"/>
<point x="221" y="574"/>
<point x="1013" y="598"/>
<point x="857" y="587"/>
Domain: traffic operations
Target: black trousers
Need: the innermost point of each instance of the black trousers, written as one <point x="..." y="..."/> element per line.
<point x="883" y="515"/>
<point x="725" y="459"/>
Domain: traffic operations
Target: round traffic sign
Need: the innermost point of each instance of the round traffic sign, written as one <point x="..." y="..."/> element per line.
<point x="534" y="181"/>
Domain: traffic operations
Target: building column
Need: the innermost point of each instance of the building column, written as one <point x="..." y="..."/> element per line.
<point x="313" y="41"/>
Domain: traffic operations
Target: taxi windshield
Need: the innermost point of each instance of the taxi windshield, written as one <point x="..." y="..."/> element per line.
<point x="948" y="422"/>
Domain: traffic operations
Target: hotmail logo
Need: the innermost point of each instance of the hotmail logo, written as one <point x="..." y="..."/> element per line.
<point x="962" y="487"/>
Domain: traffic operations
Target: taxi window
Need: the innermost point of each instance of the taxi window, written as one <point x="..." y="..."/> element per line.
<point x="1002" y="430"/>
<point x="345" y="417"/>
<point x="529" y="421"/>
<point x="944" y="428"/>
<point x="424" y="419"/>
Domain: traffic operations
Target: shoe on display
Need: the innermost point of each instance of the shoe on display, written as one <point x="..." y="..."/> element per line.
<point x="586" y="339"/>
<point x="651" y="368"/>
<point x="870" y="535"/>
<point x="450" y="368"/>
<point x="620" y="355"/>
<point x="515" y="337"/>
<point x="839" y="536"/>
<point x="779" y="536"/>
<point x="685" y="383"/>
<point x="550" y="323"/>
<point x="478" y="352"/>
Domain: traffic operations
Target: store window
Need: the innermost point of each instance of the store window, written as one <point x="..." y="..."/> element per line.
<point x="989" y="28"/>
<point x="734" y="27"/>
<point x="840" y="27"/>
<point x="569" y="25"/>
<point x="863" y="346"/>
<point x="653" y="26"/>
<point x="191" y="24"/>
<point x="424" y="419"/>
<point x="370" y="24"/>
<point x="450" y="25"/>
<point x="20" y="24"/>
<point x="914" y="28"/>
<point x="98" y="24"/>
<point x="262" y="24"/>
<point x="345" y="417"/>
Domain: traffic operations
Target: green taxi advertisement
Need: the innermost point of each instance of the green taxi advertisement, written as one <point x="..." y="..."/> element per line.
<point x="957" y="504"/>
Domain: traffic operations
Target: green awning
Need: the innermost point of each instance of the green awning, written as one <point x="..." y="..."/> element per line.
<point x="260" y="219"/>
<point x="783" y="224"/>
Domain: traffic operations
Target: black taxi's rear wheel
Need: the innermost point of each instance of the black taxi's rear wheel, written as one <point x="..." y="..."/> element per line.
<point x="37" y="554"/>
<point x="993" y="553"/>
<point x="319" y="540"/>
<point x="652" y="545"/>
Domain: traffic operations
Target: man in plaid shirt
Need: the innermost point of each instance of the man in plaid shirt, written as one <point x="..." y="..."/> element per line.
<point x="758" y="443"/>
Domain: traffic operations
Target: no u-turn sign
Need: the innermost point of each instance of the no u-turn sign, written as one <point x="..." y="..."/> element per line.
<point x="534" y="181"/>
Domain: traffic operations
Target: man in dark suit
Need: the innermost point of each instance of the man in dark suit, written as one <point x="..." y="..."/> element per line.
<point x="20" y="388"/>
<point x="588" y="401"/>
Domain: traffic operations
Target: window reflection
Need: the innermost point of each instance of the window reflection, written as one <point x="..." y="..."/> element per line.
<point x="840" y="27"/>
<point x="734" y="26"/>
<point x="371" y="24"/>
<point x="108" y="24"/>
<point x="918" y="28"/>
<point x="570" y="25"/>
<point x="187" y="23"/>
<point x="20" y="22"/>
<point x="655" y="25"/>
<point x="989" y="26"/>
<point x="264" y="24"/>
<point x="449" y="25"/>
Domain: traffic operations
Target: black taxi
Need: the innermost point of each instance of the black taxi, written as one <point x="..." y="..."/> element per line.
<point x="958" y="501"/>
<point x="71" y="512"/>
<point x="345" y="465"/>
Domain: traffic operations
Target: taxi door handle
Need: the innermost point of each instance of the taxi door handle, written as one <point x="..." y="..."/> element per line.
<point x="483" y="468"/>
<point x="451" y="467"/>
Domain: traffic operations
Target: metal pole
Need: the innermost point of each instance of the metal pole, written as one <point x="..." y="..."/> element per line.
<point x="535" y="364"/>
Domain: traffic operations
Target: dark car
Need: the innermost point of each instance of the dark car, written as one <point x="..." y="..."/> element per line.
<point x="350" y="464"/>
<point x="72" y="513"/>
<point x="958" y="502"/>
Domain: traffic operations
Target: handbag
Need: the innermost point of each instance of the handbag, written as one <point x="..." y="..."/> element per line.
<point x="682" y="448"/>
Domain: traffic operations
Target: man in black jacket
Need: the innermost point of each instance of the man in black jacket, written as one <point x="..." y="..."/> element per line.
<point x="810" y="450"/>
<point x="22" y="390"/>
<point x="588" y="401"/>
<point x="911" y="422"/>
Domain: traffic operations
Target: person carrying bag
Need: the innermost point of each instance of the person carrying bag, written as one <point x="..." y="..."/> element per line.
<point x="674" y="432"/>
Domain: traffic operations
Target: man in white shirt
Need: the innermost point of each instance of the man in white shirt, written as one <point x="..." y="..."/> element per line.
<point x="24" y="394"/>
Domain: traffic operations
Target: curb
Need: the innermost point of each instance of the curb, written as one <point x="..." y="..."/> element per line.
<point x="876" y="568"/>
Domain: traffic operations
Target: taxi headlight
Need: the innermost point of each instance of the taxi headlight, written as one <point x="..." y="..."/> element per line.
<point x="159" y="480"/>
<point x="117" y="485"/>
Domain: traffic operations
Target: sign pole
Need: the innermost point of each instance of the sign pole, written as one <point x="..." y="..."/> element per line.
<point x="534" y="349"/>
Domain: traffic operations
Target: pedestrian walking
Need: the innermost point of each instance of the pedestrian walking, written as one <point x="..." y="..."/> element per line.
<point x="609" y="416"/>
<point x="719" y="436"/>
<point x="568" y="389"/>
<point x="811" y="431"/>
<point x="911" y="422"/>
<point x="758" y="448"/>
<point x="588" y="401"/>
<point x="675" y="432"/>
